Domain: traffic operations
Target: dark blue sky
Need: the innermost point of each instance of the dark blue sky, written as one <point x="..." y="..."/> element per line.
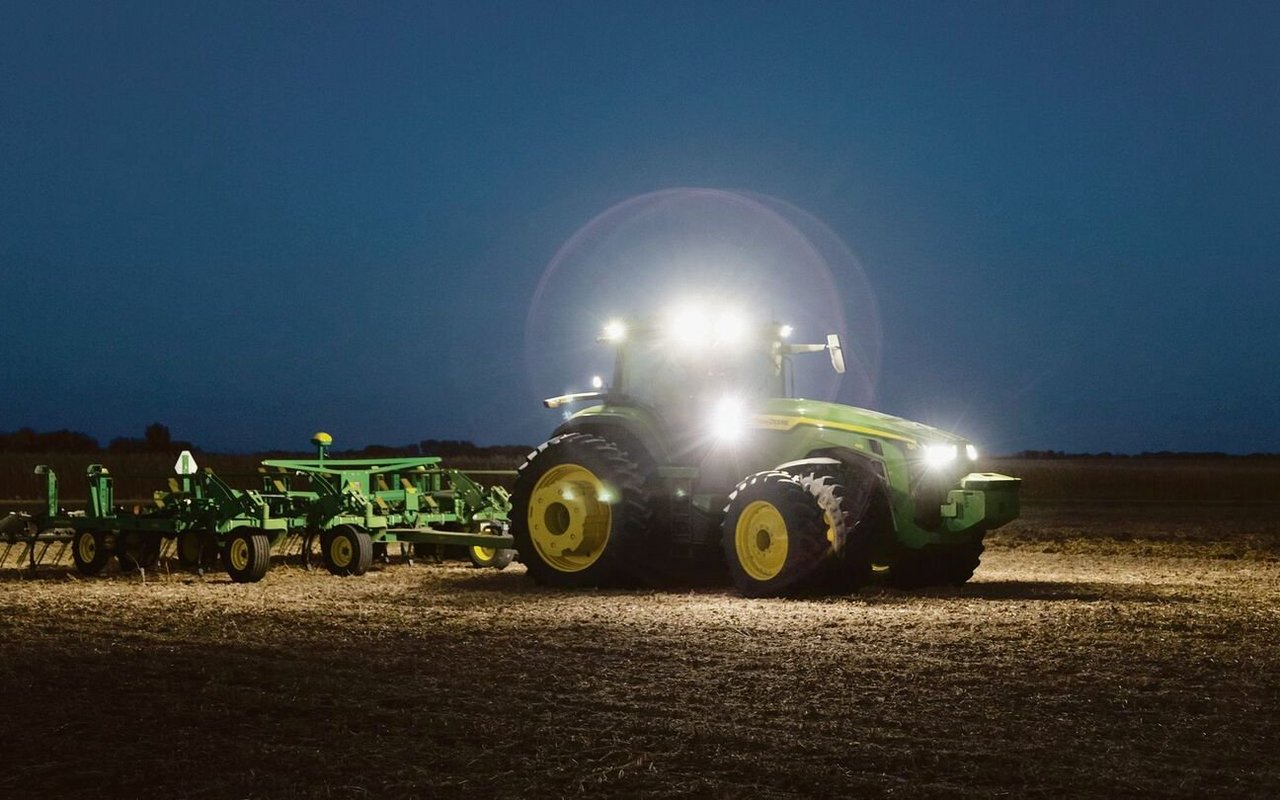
<point x="250" y="221"/>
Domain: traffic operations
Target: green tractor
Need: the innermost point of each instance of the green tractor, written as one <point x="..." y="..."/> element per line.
<point x="694" y="458"/>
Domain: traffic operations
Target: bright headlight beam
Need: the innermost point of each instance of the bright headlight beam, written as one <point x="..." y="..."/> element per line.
<point x="728" y="419"/>
<point x="939" y="455"/>
<point x="615" y="331"/>
<point x="731" y="327"/>
<point x="688" y="326"/>
<point x="971" y="452"/>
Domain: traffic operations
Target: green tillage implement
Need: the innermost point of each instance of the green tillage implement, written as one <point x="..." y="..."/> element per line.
<point x="200" y="511"/>
<point x="352" y="505"/>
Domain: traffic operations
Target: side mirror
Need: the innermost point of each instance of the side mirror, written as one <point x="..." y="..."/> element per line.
<point x="836" y="351"/>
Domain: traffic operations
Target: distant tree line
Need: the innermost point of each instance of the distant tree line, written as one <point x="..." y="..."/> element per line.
<point x="1055" y="454"/>
<point x="445" y="448"/>
<point x="155" y="439"/>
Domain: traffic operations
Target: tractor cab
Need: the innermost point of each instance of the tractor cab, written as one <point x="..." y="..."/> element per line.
<point x="699" y="371"/>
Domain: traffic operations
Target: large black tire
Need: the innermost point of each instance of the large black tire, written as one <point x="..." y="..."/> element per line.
<point x="843" y="509"/>
<point x="952" y="565"/>
<point x="347" y="550"/>
<point x="246" y="555"/>
<point x="91" y="550"/>
<point x="580" y="513"/>
<point x="775" y="537"/>
<point x="137" y="550"/>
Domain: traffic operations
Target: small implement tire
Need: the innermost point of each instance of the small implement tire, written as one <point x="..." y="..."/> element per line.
<point x="195" y="550"/>
<point x="137" y="551"/>
<point x="91" y="550"/>
<point x="490" y="557"/>
<point x="347" y="550"/>
<point x="246" y="555"/>
<point x="774" y="536"/>
<point x="580" y="513"/>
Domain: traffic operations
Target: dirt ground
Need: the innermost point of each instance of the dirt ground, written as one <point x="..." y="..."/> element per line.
<point x="1100" y="651"/>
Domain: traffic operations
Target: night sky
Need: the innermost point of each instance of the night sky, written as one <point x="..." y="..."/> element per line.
<point x="1050" y="226"/>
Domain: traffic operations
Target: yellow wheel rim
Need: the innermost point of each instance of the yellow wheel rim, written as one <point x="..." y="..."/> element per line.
<point x="239" y="552"/>
<point x="87" y="545"/>
<point x="485" y="554"/>
<point x="340" y="551"/>
<point x="569" y="518"/>
<point x="760" y="540"/>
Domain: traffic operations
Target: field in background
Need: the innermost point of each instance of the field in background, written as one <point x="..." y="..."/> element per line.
<point x="1198" y="481"/>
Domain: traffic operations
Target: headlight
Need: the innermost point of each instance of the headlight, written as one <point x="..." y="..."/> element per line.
<point x="728" y="419"/>
<point x="971" y="452"/>
<point x="615" y="331"/>
<point x="940" y="455"/>
<point x="688" y="327"/>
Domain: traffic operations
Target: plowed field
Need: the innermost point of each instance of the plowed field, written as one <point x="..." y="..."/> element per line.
<point x="1106" y="651"/>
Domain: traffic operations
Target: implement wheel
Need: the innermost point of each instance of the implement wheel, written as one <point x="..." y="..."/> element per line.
<point x="489" y="557"/>
<point x="136" y="550"/>
<point x="247" y="555"/>
<point x="195" y="549"/>
<point x="91" y="550"/>
<point x="579" y="513"/>
<point x="775" y="536"/>
<point x="347" y="550"/>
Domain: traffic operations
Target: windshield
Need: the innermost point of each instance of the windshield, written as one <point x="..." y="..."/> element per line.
<point x="657" y="373"/>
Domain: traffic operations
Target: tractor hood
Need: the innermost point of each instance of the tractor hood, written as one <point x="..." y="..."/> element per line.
<point x="788" y="413"/>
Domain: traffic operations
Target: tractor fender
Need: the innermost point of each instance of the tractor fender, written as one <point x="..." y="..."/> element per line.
<point x="634" y="436"/>
<point x="836" y="459"/>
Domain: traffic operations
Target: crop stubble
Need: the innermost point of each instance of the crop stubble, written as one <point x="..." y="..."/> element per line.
<point x="1126" y="652"/>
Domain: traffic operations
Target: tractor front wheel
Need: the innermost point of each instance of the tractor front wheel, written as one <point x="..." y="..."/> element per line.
<point x="347" y="549"/>
<point x="952" y="565"/>
<point x="775" y="536"/>
<point x="580" y="513"/>
<point x="247" y="555"/>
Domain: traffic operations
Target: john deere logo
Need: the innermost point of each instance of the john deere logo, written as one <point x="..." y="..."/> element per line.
<point x="773" y="422"/>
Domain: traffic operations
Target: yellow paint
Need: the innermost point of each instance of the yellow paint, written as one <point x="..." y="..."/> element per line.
<point x="239" y="552"/>
<point x="569" y="518"/>
<point x="776" y="422"/>
<point x="340" y="551"/>
<point x="760" y="540"/>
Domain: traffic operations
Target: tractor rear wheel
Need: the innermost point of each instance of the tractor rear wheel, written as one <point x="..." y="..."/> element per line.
<point x="246" y="555"/>
<point x="775" y="536"/>
<point x="347" y="550"/>
<point x="91" y="550"/>
<point x="580" y="513"/>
